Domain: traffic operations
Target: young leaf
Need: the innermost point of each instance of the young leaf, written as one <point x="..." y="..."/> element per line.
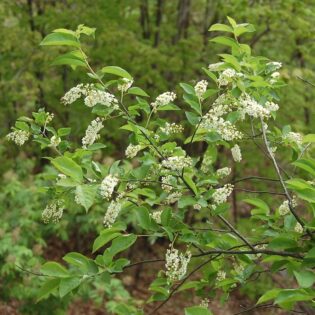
<point x="117" y="71"/>
<point x="60" y="39"/>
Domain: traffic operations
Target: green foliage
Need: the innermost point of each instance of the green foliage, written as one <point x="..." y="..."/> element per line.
<point x="153" y="198"/>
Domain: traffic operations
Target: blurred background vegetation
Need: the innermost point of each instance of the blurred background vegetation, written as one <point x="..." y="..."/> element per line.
<point x="161" y="43"/>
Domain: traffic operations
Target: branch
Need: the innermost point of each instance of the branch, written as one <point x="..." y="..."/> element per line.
<point x="287" y="194"/>
<point x="231" y="227"/>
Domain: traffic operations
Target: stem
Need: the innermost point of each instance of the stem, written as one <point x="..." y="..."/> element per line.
<point x="286" y="192"/>
<point x="231" y="227"/>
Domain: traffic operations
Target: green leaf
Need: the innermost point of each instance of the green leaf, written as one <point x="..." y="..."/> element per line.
<point x="293" y="295"/>
<point x="269" y="295"/>
<point x="244" y="28"/>
<point x="63" y="132"/>
<point x="96" y="146"/>
<point x="306" y="164"/>
<point x="310" y="138"/>
<point x="282" y="242"/>
<point x="221" y="28"/>
<point x="73" y="58"/>
<point x="85" y="195"/>
<point x="60" y="39"/>
<point x="144" y="218"/>
<point x="260" y="204"/>
<point x="68" y="167"/>
<point x="104" y="238"/>
<point x="190" y="183"/>
<point x="305" y="278"/>
<point x="54" y="269"/>
<point x="187" y="88"/>
<point x="137" y="91"/>
<point x="117" y="71"/>
<point x="67" y="285"/>
<point x="121" y="243"/>
<point x="48" y="287"/>
<point x="197" y="310"/>
<point x="76" y="259"/>
<point x="225" y="41"/>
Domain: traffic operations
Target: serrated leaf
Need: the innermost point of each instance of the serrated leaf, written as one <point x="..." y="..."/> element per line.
<point x="67" y="285"/>
<point x="104" y="238"/>
<point x="68" y="167"/>
<point x="221" y="28"/>
<point x="54" y="269"/>
<point x="269" y="295"/>
<point x="85" y="195"/>
<point x="117" y="71"/>
<point x="305" y="278"/>
<point x="137" y="91"/>
<point x="60" y="39"/>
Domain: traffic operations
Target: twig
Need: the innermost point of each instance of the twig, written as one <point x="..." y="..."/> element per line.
<point x="287" y="194"/>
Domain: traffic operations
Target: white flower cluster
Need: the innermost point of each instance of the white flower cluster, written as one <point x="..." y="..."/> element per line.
<point x="238" y="268"/>
<point x="19" y="137"/>
<point x="92" y="95"/>
<point x="163" y="99"/>
<point x="298" y="228"/>
<point x="91" y="133"/>
<point x="49" y="117"/>
<point x="271" y="106"/>
<point x="227" y="76"/>
<point x="177" y="163"/>
<point x="53" y="211"/>
<point x="172" y="128"/>
<point x="221" y="275"/>
<point x="132" y="150"/>
<point x="284" y="208"/>
<point x="223" y="127"/>
<point x="201" y="88"/>
<point x="156" y="216"/>
<point x="108" y="185"/>
<point x="112" y="213"/>
<point x="54" y="141"/>
<point x="176" y="264"/>
<point x="206" y="164"/>
<point x="125" y="85"/>
<point x="223" y="172"/>
<point x="221" y="194"/>
<point x="197" y="206"/>
<point x="73" y="94"/>
<point x="173" y="197"/>
<point x="167" y="183"/>
<point x="100" y="97"/>
<point x="275" y="64"/>
<point x="204" y="303"/>
<point x="236" y="153"/>
<point x="252" y="108"/>
<point x="294" y="137"/>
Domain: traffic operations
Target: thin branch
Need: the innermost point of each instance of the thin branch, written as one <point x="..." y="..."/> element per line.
<point x="260" y="191"/>
<point x="254" y="178"/>
<point x="287" y="194"/>
<point x="231" y="227"/>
